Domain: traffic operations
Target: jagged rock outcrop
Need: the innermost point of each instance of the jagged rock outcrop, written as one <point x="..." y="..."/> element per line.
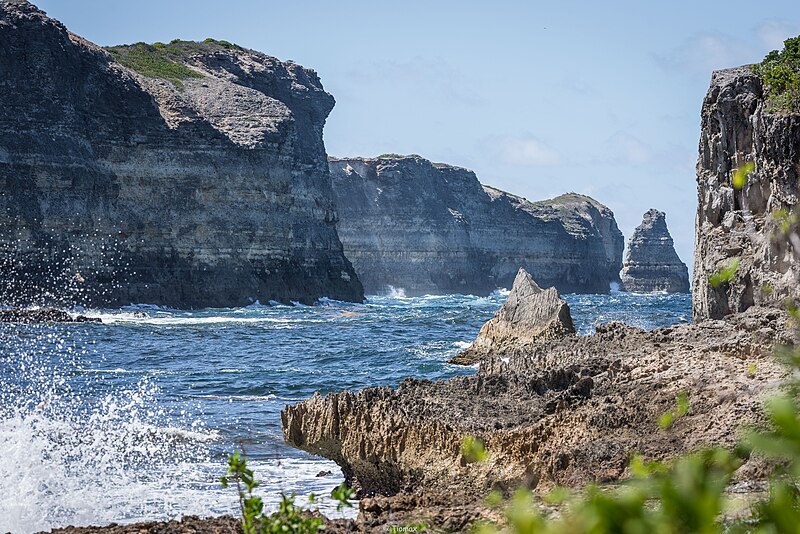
<point x="740" y="225"/>
<point x="204" y="183"/>
<point x="433" y="228"/>
<point x="529" y="314"/>
<point x="651" y="263"/>
<point x="567" y="411"/>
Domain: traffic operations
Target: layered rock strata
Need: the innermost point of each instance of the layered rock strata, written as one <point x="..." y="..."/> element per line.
<point x="433" y="228"/>
<point x="529" y="314"/>
<point x="202" y="182"/>
<point x="651" y="263"/>
<point x="746" y="227"/>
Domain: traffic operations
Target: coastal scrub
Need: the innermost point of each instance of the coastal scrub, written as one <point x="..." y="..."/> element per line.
<point x="780" y="72"/>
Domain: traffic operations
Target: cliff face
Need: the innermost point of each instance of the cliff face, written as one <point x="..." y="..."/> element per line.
<point x="211" y="189"/>
<point x="740" y="225"/>
<point x="651" y="263"/>
<point x="432" y="228"/>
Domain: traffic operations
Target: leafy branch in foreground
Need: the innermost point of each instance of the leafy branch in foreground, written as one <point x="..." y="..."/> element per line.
<point x="289" y="518"/>
<point x="687" y="494"/>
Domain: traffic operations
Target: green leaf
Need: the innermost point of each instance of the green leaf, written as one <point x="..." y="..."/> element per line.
<point x="725" y="274"/>
<point x="473" y="450"/>
<point x="740" y="175"/>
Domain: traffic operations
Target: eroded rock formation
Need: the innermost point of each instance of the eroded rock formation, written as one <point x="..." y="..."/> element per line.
<point x="743" y="225"/>
<point x="210" y="190"/>
<point x="529" y="314"/>
<point x="567" y="411"/>
<point x="651" y="263"/>
<point x="433" y="228"/>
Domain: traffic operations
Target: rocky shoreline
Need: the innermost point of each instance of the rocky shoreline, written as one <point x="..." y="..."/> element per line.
<point x="569" y="410"/>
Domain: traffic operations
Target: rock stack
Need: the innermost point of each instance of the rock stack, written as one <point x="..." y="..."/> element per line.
<point x="530" y="313"/>
<point x="651" y="263"/>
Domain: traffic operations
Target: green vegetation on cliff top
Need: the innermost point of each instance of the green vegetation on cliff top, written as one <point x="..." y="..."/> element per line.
<point x="781" y="74"/>
<point x="166" y="61"/>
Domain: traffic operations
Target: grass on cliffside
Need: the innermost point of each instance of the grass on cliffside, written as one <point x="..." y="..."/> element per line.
<point x="781" y="74"/>
<point x="166" y="61"/>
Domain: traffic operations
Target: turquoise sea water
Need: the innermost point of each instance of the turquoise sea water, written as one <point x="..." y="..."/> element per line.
<point x="131" y="419"/>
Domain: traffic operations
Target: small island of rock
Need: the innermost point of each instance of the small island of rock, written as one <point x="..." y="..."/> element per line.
<point x="651" y="263"/>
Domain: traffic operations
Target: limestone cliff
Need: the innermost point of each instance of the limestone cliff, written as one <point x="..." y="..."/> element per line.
<point x="198" y="177"/>
<point x="740" y="225"/>
<point x="433" y="228"/>
<point x="651" y="263"/>
<point x="528" y="315"/>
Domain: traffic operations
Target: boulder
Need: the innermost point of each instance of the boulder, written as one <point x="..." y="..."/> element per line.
<point x="529" y="314"/>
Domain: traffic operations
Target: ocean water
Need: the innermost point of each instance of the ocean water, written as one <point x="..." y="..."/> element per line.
<point x="132" y="419"/>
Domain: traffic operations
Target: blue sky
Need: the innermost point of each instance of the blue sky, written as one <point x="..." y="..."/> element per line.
<point x="538" y="98"/>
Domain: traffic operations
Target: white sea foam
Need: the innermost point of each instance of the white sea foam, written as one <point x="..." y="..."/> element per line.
<point x="461" y="344"/>
<point x="396" y="293"/>
<point x="118" y="457"/>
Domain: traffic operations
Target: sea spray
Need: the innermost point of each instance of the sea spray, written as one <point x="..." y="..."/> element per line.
<point x="101" y="455"/>
<point x="132" y="419"/>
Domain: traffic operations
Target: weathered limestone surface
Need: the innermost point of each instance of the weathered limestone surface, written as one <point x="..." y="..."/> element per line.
<point x="433" y="228"/>
<point x="529" y="314"/>
<point x="212" y="192"/>
<point x="739" y="225"/>
<point x="566" y="411"/>
<point x="651" y="263"/>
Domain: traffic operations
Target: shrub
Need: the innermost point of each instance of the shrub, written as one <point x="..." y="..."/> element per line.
<point x="167" y="61"/>
<point x="289" y="518"/>
<point x="780" y="72"/>
<point x="153" y="61"/>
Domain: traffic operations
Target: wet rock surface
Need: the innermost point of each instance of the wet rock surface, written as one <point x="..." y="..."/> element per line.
<point x="529" y="314"/>
<point x="210" y="191"/>
<point x="651" y="263"/>
<point x="744" y="225"/>
<point x="187" y="525"/>
<point x="429" y="227"/>
<point x="43" y="315"/>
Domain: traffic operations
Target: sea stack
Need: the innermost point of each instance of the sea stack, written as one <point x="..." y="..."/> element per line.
<point x="651" y="263"/>
<point x="529" y="314"/>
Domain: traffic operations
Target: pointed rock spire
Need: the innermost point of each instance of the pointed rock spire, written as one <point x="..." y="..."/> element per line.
<point x="651" y="263"/>
<point x="529" y="314"/>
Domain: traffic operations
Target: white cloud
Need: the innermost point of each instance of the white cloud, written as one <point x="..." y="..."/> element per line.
<point x="428" y="77"/>
<point x="704" y="52"/>
<point x="774" y="32"/>
<point x="630" y="149"/>
<point x="523" y="151"/>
